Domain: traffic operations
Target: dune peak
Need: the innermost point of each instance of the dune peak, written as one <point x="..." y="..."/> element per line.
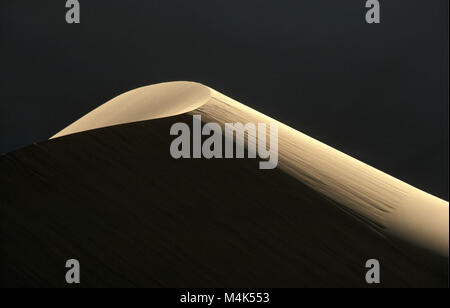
<point x="144" y="103"/>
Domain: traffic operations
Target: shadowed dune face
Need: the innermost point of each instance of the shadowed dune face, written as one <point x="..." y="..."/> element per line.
<point x="114" y="199"/>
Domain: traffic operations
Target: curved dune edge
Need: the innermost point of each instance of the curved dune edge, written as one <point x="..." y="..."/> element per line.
<point x="384" y="202"/>
<point x="145" y="103"/>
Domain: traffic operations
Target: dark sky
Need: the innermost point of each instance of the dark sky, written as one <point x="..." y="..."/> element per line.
<point x="376" y="92"/>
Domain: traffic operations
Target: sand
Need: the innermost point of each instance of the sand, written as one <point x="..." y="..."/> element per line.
<point x="114" y="199"/>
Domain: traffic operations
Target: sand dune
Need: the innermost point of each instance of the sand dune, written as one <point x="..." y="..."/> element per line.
<point x="107" y="192"/>
<point x="386" y="204"/>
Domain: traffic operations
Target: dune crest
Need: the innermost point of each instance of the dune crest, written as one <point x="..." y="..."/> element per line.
<point x="385" y="203"/>
<point x="145" y="103"/>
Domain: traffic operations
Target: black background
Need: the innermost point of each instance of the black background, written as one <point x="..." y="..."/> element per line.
<point x="376" y="92"/>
